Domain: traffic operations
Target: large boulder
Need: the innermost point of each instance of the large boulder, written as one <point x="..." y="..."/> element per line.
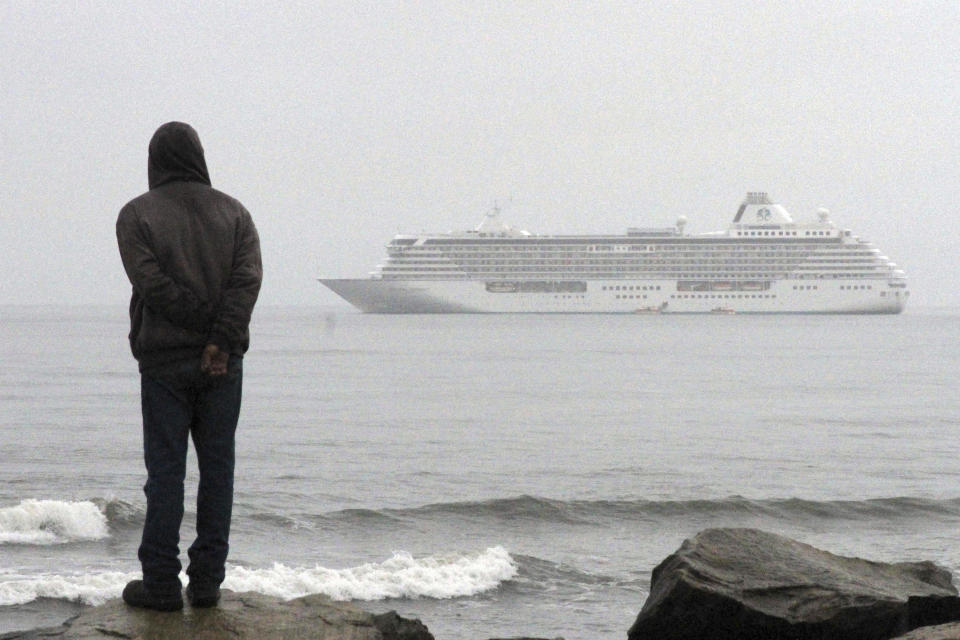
<point x="743" y="584"/>
<point x="239" y="616"/>
<point x="949" y="631"/>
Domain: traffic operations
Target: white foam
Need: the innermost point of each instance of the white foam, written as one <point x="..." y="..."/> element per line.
<point x="401" y="576"/>
<point x="51" y="522"/>
<point x="93" y="588"/>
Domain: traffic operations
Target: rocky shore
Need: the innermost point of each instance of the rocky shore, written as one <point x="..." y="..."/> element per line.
<point x="741" y="584"/>
<point x="239" y="616"/>
<point x="722" y="584"/>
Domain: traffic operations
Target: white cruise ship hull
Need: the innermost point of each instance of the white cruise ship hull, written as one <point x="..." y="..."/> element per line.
<point x="764" y="262"/>
<point x="372" y="295"/>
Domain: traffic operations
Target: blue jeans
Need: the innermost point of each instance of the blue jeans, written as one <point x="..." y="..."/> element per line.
<point x="178" y="399"/>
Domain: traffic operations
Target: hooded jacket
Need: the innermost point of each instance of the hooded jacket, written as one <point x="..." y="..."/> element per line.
<point x="192" y="254"/>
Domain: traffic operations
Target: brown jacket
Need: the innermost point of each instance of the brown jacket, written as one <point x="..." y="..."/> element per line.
<point x="192" y="255"/>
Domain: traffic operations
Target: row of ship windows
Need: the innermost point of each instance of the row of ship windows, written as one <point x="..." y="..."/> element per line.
<point x="626" y="297"/>
<point x="742" y="272"/>
<point x="667" y="275"/>
<point x="729" y="266"/>
<point x="695" y="271"/>
<point x="843" y="286"/>
<point x="581" y="258"/>
<point x="713" y="258"/>
<point x="685" y="246"/>
<point x="757" y="276"/>
<point x="723" y="295"/>
<point x="786" y="252"/>
<point x="683" y="250"/>
<point x="632" y="250"/>
<point x="622" y="287"/>
<point x="717" y="258"/>
<point x="736" y="259"/>
<point x="782" y="233"/>
<point x="800" y="287"/>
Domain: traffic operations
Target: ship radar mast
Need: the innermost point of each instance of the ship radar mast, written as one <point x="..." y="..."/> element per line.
<point x="492" y="225"/>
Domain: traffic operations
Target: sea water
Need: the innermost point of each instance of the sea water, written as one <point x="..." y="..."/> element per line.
<point x="492" y="475"/>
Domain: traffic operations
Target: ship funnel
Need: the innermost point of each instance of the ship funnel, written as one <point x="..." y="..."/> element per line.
<point x="758" y="208"/>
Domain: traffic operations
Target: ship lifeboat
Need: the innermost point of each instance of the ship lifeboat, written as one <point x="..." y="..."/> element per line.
<point x="652" y="309"/>
<point x="503" y="287"/>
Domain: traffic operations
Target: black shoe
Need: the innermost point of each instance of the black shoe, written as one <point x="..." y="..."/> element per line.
<point x="201" y="596"/>
<point x="136" y="594"/>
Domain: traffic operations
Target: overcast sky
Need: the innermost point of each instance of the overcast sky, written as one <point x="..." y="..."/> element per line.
<point x="340" y="124"/>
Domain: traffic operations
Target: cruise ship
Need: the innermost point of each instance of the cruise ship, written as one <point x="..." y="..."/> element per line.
<point x="764" y="262"/>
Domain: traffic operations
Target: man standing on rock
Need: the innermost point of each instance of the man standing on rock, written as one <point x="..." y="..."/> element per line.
<point x="193" y="257"/>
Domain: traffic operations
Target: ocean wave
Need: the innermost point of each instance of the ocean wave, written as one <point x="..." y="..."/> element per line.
<point x="120" y="513"/>
<point x="368" y="517"/>
<point x="523" y="507"/>
<point x="52" y="522"/>
<point x="273" y="520"/>
<point x="47" y="522"/>
<point x="548" y="574"/>
<point x="401" y="576"/>
<point x="585" y="512"/>
<point x="93" y="588"/>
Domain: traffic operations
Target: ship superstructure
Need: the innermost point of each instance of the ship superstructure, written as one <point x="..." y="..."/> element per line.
<point x="764" y="262"/>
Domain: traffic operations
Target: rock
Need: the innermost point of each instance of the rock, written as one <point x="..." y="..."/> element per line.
<point x="239" y="616"/>
<point x="393" y="627"/>
<point x="741" y="584"/>
<point x="939" y="632"/>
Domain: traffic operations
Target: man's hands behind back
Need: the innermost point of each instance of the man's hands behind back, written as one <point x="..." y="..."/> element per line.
<point x="213" y="362"/>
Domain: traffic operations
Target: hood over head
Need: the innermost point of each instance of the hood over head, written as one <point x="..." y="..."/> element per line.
<point x="176" y="155"/>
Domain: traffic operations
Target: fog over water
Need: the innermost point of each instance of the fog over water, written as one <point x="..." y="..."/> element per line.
<point x="338" y="124"/>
